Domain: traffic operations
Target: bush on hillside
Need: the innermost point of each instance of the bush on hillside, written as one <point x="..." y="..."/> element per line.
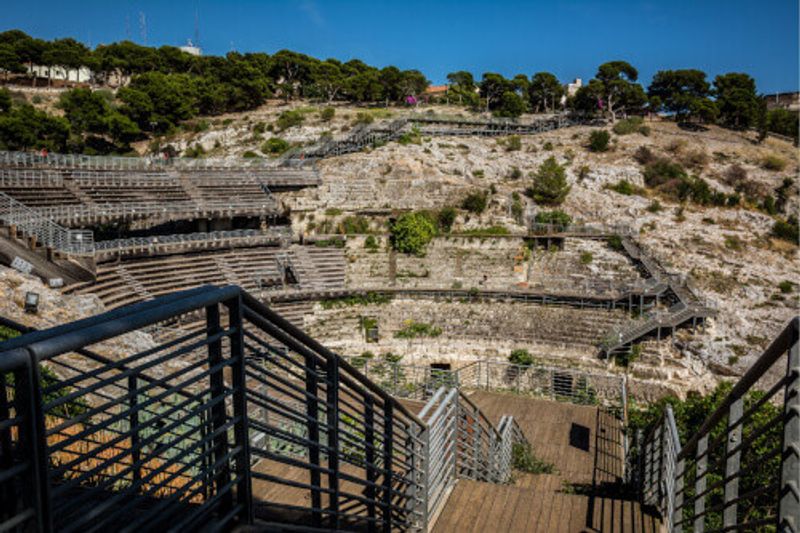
<point x="550" y="185"/>
<point x="275" y="146"/>
<point x="788" y="229"/>
<point x="662" y="171"/>
<point x="598" y="141"/>
<point x="773" y="162"/>
<point x="289" y="119"/>
<point x="520" y="357"/>
<point x="644" y="156"/>
<point x="556" y="217"/>
<point x="412" y="232"/>
<point x="327" y="114"/>
<point x="475" y="202"/>
<point x="445" y="218"/>
<point x="628" y="126"/>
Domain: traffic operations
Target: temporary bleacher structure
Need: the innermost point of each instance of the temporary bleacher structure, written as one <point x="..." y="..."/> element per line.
<point x="250" y="423"/>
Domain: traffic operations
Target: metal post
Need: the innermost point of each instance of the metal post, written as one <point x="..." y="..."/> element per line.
<point x="369" y="459"/>
<point x="133" y="422"/>
<point x="312" y="425"/>
<point x="332" y="410"/>
<point x="218" y="416"/>
<point x="241" y="429"/>
<point x="388" y="441"/>
<point x="732" y="465"/>
<point x="677" y="493"/>
<point x="700" y="484"/>
<point x="789" y="504"/>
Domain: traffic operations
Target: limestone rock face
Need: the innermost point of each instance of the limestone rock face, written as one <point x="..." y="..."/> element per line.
<point x="56" y="309"/>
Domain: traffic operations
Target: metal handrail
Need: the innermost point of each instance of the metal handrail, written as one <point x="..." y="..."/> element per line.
<point x="206" y="440"/>
<point x="46" y="231"/>
<point x="699" y="484"/>
<point x="96" y="162"/>
<point x="162" y="241"/>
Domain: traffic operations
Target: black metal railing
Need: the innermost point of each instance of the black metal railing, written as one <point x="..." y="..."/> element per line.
<point x="740" y="471"/>
<point x="103" y="429"/>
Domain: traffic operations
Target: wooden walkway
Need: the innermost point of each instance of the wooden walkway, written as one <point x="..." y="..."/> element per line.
<point x="584" y="444"/>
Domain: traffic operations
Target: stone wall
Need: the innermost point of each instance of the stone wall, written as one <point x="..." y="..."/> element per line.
<point x="449" y="262"/>
<point x="562" y="269"/>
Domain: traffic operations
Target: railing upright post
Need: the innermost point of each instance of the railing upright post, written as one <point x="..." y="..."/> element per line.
<point x="312" y="424"/>
<point x="28" y="404"/>
<point x="700" y="485"/>
<point x="133" y="421"/>
<point x="332" y="419"/>
<point x="222" y="477"/>
<point x="732" y="465"/>
<point x="388" y="444"/>
<point x="789" y="504"/>
<point x="677" y="494"/>
<point x="369" y="459"/>
<point x="241" y="428"/>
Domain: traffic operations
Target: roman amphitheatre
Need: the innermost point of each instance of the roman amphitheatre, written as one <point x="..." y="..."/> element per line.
<point x="635" y="288"/>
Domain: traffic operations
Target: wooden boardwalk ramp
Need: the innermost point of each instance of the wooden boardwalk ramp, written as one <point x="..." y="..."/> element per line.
<point x="584" y="443"/>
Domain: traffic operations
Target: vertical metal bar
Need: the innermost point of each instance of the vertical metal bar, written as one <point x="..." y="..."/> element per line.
<point x="218" y="415"/>
<point x="312" y="424"/>
<point x="732" y="464"/>
<point x="8" y="498"/>
<point x="332" y="411"/>
<point x="369" y="458"/>
<point x="677" y="494"/>
<point x="133" y="421"/>
<point x="388" y="442"/>
<point x="32" y="437"/>
<point x="700" y="484"/>
<point x="789" y="504"/>
<point x="241" y="432"/>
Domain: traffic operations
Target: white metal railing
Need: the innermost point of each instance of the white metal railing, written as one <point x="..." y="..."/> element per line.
<point x="165" y="241"/>
<point x="70" y="214"/>
<point x="47" y="232"/>
<point x="95" y="162"/>
<point x="462" y="443"/>
<point x="30" y="178"/>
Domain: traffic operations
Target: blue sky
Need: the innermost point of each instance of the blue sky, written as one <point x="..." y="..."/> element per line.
<point x="566" y="37"/>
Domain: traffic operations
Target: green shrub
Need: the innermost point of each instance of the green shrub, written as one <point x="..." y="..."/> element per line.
<point x="250" y="155"/>
<point x="478" y="173"/>
<point x="475" y="202"/>
<point x="353" y="225"/>
<point x="371" y="243"/>
<point x="583" y="172"/>
<point x="369" y="298"/>
<point x="197" y="150"/>
<point x="413" y="330"/>
<point x="520" y="357"/>
<point x="773" y="162"/>
<point x="327" y="114"/>
<point x="628" y="126"/>
<point x="644" y="156"/>
<point x="586" y="258"/>
<point x="661" y="171"/>
<point x="787" y="230"/>
<point x="550" y="185"/>
<point x="514" y="174"/>
<point x="259" y="128"/>
<point x="598" y="141"/>
<point x="289" y="119"/>
<point x="624" y="187"/>
<point x="275" y="146"/>
<point x="513" y="143"/>
<point x="364" y="118"/>
<point x="524" y="460"/>
<point x="556" y="217"/>
<point x="445" y="219"/>
<point x="548" y="146"/>
<point x="654" y="207"/>
<point x="412" y="232"/>
<point x="615" y="243"/>
<point x="786" y="286"/>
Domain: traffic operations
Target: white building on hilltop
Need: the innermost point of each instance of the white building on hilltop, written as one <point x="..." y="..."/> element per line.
<point x="190" y="48"/>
